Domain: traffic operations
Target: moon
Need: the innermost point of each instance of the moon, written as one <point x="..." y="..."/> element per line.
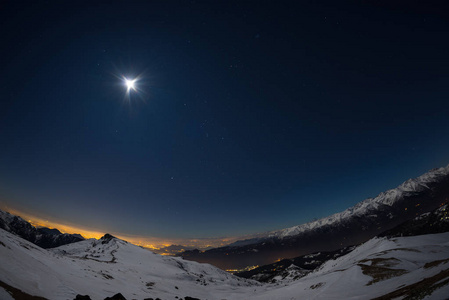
<point x="130" y="84"/>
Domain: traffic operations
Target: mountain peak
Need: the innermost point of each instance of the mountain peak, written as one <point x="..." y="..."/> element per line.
<point x="51" y="231"/>
<point x="107" y="238"/>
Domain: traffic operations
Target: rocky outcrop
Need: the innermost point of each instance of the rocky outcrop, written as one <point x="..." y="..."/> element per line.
<point x="42" y="237"/>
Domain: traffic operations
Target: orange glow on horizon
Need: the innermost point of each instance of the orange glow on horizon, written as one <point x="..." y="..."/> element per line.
<point x="152" y="243"/>
<point x="39" y="222"/>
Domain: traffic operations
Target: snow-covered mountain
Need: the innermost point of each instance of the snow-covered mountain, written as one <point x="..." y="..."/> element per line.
<point x="388" y="198"/>
<point x="43" y="237"/>
<point x="105" y="267"/>
<point x="350" y="227"/>
<point x="406" y="267"/>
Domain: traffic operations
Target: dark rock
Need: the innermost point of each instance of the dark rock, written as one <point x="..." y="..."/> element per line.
<point x="46" y="230"/>
<point x="307" y="263"/>
<point x="106" y="238"/>
<point x="18" y="294"/>
<point x="436" y="221"/>
<point x="117" y="296"/>
<point x="81" y="297"/>
<point x="191" y="298"/>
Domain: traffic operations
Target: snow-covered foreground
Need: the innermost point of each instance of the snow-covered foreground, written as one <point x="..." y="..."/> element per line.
<point x="378" y="268"/>
<point x="102" y="268"/>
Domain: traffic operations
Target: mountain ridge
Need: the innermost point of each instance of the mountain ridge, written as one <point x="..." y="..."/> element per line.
<point x="388" y="197"/>
<point x="352" y="226"/>
<point x="41" y="236"/>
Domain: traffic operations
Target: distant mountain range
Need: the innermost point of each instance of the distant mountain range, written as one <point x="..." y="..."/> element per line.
<point x="350" y="227"/>
<point x="42" y="236"/>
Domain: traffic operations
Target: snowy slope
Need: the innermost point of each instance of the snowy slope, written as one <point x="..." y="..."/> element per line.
<point x="101" y="268"/>
<point x="380" y="267"/>
<point x="371" y="204"/>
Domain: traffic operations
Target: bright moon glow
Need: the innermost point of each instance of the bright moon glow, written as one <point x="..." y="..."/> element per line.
<point x="130" y="84"/>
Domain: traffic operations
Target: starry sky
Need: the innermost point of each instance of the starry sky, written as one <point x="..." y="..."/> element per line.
<point x="247" y="116"/>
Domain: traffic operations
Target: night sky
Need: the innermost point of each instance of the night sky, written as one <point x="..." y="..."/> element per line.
<point x="247" y="116"/>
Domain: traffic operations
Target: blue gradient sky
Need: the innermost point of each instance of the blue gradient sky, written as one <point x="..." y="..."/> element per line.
<point x="249" y="116"/>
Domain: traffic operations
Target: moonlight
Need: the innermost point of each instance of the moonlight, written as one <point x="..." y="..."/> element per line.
<point x="130" y="84"/>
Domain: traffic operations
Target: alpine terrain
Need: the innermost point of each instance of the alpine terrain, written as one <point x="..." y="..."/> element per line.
<point x="408" y="260"/>
<point x="415" y="267"/>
